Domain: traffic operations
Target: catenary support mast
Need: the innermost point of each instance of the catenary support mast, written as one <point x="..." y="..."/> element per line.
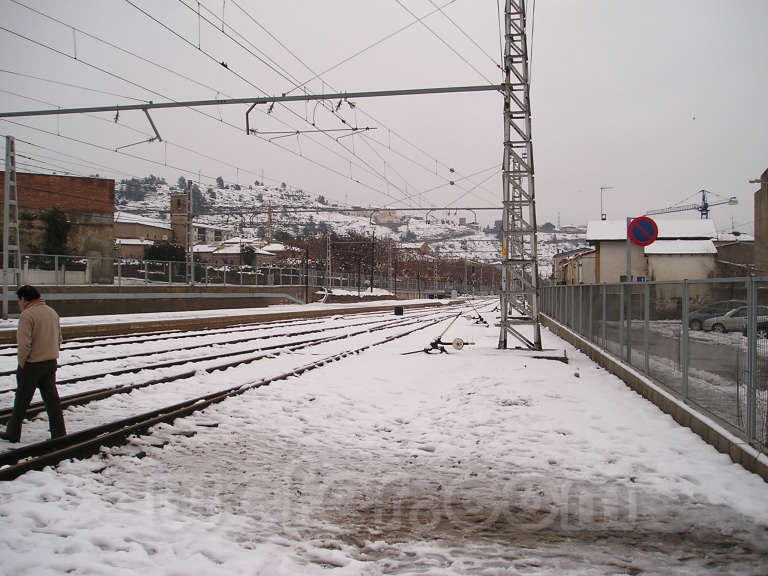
<point x="519" y="303"/>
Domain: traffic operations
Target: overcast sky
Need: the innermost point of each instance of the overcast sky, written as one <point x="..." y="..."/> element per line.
<point x="657" y="99"/>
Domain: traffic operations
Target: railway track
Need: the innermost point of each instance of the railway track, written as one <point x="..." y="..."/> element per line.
<point x="247" y="356"/>
<point x="88" y="441"/>
<point x="183" y="349"/>
<point x="89" y="342"/>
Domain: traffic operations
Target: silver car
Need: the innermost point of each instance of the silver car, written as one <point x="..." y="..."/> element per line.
<point x="736" y="319"/>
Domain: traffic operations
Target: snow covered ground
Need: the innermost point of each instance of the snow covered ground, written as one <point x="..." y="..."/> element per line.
<point x="481" y="461"/>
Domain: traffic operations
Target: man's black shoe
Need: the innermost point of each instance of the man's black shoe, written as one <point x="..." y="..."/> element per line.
<point x="4" y="436"/>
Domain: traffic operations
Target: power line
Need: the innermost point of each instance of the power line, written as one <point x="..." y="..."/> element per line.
<point x="447" y="45"/>
<point x="376" y="43"/>
<point x="69" y="85"/>
<point x="467" y="36"/>
<point x="172" y="31"/>
<point x="319" y="164"/>
<point x="319" y="75"/>
<point x="290" y="79"/>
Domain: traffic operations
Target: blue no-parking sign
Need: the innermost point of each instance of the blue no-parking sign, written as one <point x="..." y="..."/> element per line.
<point x="642" y="231"/>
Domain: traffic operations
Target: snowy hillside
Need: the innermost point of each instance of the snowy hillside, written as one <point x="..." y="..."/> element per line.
<point x="245" y="213"/>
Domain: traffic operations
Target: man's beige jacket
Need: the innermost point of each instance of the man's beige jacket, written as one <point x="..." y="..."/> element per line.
<point x="38" y="336"/>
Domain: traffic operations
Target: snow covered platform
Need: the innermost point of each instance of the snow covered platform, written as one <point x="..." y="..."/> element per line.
<point x="479" y="461"/>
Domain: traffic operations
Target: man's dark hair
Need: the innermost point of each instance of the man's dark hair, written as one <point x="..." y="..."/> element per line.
<point x="28" y="293"/>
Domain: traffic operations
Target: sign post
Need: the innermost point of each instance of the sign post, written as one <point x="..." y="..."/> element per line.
<point x="641" y="231"/>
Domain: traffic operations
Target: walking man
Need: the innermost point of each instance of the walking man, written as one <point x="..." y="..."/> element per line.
<point x="38" y="338"/>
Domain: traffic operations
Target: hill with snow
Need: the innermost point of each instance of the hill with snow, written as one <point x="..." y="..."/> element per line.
<point x="245" y="211"/>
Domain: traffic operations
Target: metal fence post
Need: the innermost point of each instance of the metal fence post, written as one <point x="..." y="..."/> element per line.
<point x="564" y="305"/>
<point x="751" y="358"/>
<point x="56" y="267"/>
<point x="603" y="335"/>
<point x="646" y="319"/>
<point x="621" y="321"/>
<point x="580" y="329"/>
<point x="170" y="272"/>
<point x="590" y="336"/>
<point x="630" y="290"/>
<point x="684" y="360"/>
<point x="146" y="273"/>
<point x="119" y="272"/>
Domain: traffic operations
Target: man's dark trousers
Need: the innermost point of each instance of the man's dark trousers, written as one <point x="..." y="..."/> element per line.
<point x="35" y="375"/>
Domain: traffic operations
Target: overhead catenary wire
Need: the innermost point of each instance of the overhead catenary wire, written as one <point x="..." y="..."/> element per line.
<point x="70" y="85"/>
<point x="256" y="173"/>
<point x="321" y="74"/>
<point x="372" y="170"/>
<point x="284" y="148"/>
<point x="467" y="36"/>
<point x="293" y="80"/>
<point x="82" y="61"/>
<point x="445" y="43"/>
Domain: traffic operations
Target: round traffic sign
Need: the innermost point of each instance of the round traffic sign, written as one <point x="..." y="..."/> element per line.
<point x="642" y="231"/>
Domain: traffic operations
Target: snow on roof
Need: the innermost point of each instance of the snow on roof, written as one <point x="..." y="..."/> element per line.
<point x="275" y="247"/>
<point x="668" y="229"/>
<point x="129" y="218"/>
<point x="228" y="249"/>
<point x="133" y="242"/>
<point x="203" y="248"/>
<point x="735" y="237"/>
<point x="681" y="247"/>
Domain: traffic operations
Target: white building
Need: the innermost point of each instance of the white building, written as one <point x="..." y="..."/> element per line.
<point x="684" y="250"/>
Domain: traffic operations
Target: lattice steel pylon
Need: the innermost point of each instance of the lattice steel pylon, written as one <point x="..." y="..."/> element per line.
<point x="11" y="245"/>
<point x="520" y="273"/>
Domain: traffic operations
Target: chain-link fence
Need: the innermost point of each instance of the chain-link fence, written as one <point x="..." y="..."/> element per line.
<point x="705" y="340"/>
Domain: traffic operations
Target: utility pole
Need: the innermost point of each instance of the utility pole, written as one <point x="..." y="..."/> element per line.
<point x="190" y="247"/>
<point x="520" y="273"/>
<point x="306" y="275"/>
<point x="11" y="244"/>
<point x="603" y="215"/>
<point x="328" y="257"/>
<point x="373" y="256"/>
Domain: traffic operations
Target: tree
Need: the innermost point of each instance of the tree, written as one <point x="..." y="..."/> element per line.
<point x="56" y="232"/>
<point x="165" y="251"/>
<point x="182" y="183"/>
<point x="547" y="227"/>
<point x="248" y="254"/>
<point x="219" y="182"/>
<point x="321" y="200"/>
<point x="132" y="189"/>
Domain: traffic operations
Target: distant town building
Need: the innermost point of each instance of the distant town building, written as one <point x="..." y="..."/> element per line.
<point x="574" y="266"/>
<point x="761" y="226"/>
<point x="201" y="233"/>
<point x="387" y="217"/>
<point x="89" y="205"/>
<point x="684" y="250"/>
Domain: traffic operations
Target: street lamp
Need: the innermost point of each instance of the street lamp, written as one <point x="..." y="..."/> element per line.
<point x="603" y="215"/>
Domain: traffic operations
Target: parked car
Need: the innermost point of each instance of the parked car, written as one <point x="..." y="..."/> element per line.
<point x="734" y="320"/>
<point x="696" y="317"/>
<point x="761" y="329"/>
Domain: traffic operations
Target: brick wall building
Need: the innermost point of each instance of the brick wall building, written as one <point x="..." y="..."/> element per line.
<point x="89" y="204"/>
<point x="761" y="226"/>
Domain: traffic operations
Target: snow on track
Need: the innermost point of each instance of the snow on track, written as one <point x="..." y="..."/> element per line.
<point x="482" y="461"/>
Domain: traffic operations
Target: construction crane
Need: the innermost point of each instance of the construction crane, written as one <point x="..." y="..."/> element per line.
<point x="703" y="207"/>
